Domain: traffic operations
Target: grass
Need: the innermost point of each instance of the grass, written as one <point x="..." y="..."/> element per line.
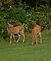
<point x="26" y="51"/>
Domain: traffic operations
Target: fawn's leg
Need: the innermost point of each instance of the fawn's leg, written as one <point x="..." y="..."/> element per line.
<point x="14" y="38"/>
<point x="40" y="38"/>
<point x="10" y="38"/>
<point x="34" y="37"/>
<point x="23" y="37"/>
<point x="18" y="38"/>
<point x="22" y="33"/>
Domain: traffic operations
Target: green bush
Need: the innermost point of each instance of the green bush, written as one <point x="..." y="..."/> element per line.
<point x="16" y="14"/>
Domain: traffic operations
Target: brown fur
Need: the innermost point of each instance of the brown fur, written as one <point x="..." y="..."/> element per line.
<point x="15" y="30"/>
<point x="36" y="30"/>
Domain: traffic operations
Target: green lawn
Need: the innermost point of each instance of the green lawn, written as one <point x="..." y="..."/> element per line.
<point x="26" y="51"/>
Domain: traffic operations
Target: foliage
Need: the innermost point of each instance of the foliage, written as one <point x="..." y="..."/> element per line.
<point x="22" y="13"/>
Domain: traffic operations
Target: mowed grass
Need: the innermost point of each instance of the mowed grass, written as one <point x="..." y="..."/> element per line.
<point x="26" y="51"/>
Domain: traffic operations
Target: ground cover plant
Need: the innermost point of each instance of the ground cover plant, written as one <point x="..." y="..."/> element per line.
<point x="26" y="51"/>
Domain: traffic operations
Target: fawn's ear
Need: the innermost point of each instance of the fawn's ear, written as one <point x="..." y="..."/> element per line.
<point x="8" y="23"/>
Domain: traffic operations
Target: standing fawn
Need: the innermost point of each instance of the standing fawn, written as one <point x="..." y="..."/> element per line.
<point x="19" y="30"/>
<point x="35" y="31"/>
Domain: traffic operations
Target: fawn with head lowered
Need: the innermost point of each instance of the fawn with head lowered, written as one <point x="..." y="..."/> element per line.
<point x="35" y="32"/>
<point x="12" y="30"/>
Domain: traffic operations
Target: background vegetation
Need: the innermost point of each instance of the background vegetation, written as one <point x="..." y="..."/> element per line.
<point x="25" y="12"/>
